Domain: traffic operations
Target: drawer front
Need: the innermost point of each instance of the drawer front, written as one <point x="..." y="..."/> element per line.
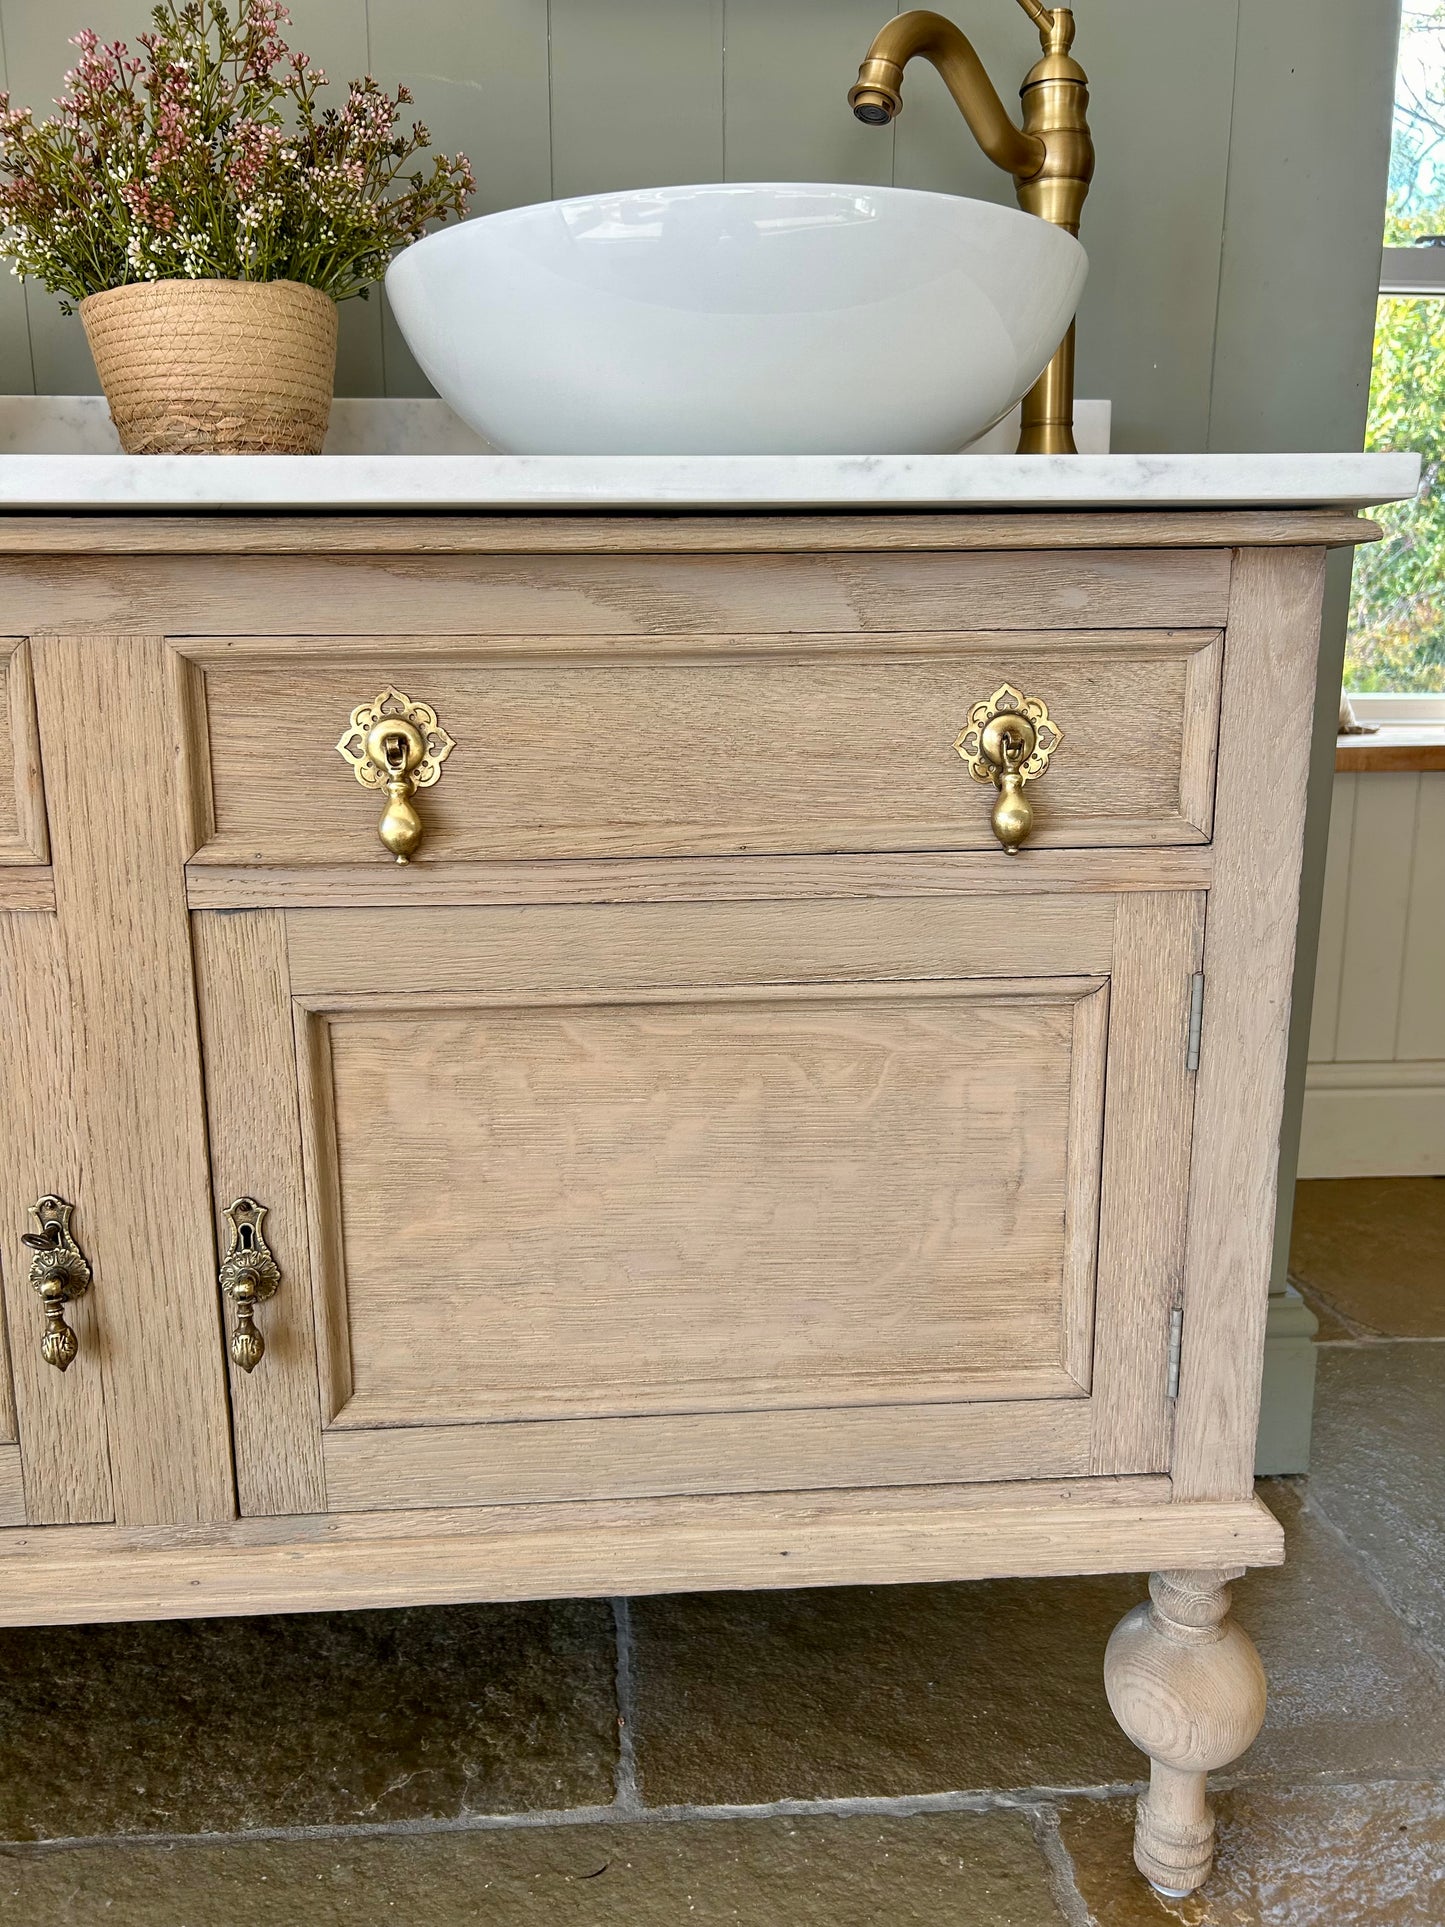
<point x="602" y="1202"/>
<point x="615" y="747"/>
<point x="22" y="801"/>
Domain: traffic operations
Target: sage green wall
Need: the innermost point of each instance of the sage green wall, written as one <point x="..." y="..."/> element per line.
<point x="1233" y="230"/>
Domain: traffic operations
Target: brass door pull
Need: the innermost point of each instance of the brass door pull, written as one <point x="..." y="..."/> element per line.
<point x="396" y="745"/>
<point x="249" y="1275"/>
<point x="59" y="1272"/>
<point x="1008" y="741"/>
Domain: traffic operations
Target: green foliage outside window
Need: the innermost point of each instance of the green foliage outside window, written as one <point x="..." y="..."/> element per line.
<point x="1397" y="621"/>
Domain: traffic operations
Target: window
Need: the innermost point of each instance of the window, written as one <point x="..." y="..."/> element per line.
<point x="1395" y="659"/>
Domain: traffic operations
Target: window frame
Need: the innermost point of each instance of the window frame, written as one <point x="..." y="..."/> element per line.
<point x="1417" y="271"/>
<point x="1377" y="707"/>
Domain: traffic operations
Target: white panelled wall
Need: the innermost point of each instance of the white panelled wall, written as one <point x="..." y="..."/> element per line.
<point x="1375" y="1090"/>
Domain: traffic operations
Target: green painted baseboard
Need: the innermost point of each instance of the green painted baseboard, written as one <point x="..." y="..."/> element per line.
<point x="1288" y="1400"/>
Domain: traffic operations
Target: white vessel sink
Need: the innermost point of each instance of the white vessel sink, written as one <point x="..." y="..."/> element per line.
<point x="749" y="318"/>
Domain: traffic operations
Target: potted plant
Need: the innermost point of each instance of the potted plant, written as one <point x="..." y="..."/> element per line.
<point x="206" y="213"/>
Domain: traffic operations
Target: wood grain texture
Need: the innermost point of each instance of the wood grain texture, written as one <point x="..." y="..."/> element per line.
<point x="628" y="1029"/>
<point x="251" y="1100"/>
<point x="12" y="1488"/>
<point x="196" y="794"/>
<point x="311" y="1041"/>
<point x="23" y="836"/>
<point x="1185" y="1683"/>
<point x="387" y="885"/>
<point x="1148" y="1118"/>
<point x="1200" y="736"/>
<point x="545" y="951"/>
<point x="570" y="595"/>
<point x="725" y="1452"/>
<point x="437" y="652"/>
<point x="1334" y="915"/>
<point x="723" y="1206"/>
<point x="1085" y="1136"/>
<point x="107" y="734"/>
<point x="29" y="889"/>
<point x="44" y="1148"/>
<point x="721" y="534"/>
<point x="451" y="1045"/>
<point x="724" y="746"/>
<point x="464" y="1522"/>
<point x="79" y="1574"/>
<point x="1248" y="960"/>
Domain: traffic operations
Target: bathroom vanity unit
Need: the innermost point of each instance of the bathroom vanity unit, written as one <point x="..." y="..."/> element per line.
<point x="716" y="1158"/>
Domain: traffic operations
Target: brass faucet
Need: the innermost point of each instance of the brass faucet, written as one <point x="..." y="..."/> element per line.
<point x="1051" y="157"/>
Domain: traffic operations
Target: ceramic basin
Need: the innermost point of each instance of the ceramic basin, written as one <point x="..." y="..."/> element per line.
<point x="746" y="318"/>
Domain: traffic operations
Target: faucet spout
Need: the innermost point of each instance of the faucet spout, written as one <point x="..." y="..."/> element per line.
<point x="878" y="96"/>
<point x="1051" y="156"/>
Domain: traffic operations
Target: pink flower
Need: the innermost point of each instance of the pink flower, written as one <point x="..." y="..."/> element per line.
<point x="208" y="152"/>
<point x="255" y="145"/>
<point x="145" y="209"/>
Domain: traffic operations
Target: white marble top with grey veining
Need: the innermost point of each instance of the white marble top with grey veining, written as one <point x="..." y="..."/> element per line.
<point x="55" y="456"/>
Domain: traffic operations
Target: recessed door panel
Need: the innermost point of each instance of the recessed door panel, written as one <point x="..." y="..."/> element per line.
<point x="700" y="1205"/>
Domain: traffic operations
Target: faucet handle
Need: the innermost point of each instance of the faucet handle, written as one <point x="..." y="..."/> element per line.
<point x="1055" y="25"/>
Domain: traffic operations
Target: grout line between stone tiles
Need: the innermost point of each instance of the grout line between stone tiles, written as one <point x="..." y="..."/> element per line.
<point x="898" y="1806"/>
<point x="1026" y="1801"/>
<point x="1320" y="1308"/>
<point x="1060" y="1863"/>
<point x="1367" y="1341"/>
<point x="629" y="1798"/>
<point x="1419" y="1640"/>
<point x="855" y="1806"/>
<point x="1316" y="1302"/>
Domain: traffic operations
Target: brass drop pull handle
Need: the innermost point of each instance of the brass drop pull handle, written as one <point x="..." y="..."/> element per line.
<point x="1008" y="741"/>
<point x="60" y="1273"/>
<point x="249" y="1275"/>
<point x="398" y="746"/>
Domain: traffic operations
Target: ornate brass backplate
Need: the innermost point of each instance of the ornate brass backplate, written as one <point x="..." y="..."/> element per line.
<point x="249" y="1275"/>
<point x="399" y="746"/>
<point x="60" y="1273"/>
<point x="1007" y="741"/>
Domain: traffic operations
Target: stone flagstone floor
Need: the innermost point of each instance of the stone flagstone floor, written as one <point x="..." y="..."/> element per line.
<point x="783" y="1759"/>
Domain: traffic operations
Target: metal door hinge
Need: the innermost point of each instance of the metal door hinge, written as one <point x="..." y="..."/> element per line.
<point x="1196" y="1019"/>
<point x="1176" y="1350"/>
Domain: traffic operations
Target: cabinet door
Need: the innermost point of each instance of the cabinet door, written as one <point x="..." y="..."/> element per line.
<point x="54" y="1447"/>
<point x="584" y="1202"/>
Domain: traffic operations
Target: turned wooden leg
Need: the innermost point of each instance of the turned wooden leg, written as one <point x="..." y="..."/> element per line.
<point x="1186" y="1685"/>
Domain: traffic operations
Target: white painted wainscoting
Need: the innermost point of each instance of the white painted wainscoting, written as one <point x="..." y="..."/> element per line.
<point x="1375" y="1092"/>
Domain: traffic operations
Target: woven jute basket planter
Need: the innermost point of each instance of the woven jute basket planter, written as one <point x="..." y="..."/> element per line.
<point x="215" y="367"/>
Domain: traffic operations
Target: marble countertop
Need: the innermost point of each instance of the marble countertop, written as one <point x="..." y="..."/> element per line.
<point x="59" y="453"/>
<point x="409" y="483"/>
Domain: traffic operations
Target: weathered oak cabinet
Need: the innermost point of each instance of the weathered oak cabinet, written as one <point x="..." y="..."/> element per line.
<point x="714" y="1160"/>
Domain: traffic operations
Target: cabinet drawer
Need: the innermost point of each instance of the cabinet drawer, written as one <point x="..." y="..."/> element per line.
<point x="22" y="802"/>
<point x="708" y="745"/>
